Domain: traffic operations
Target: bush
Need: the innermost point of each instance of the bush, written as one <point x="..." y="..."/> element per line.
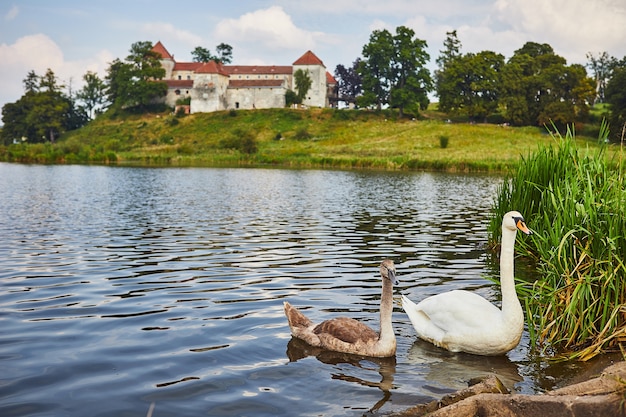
<point x="443" y="141"/>
<point x="243" y="141"/>
<point x="302" y="134"/>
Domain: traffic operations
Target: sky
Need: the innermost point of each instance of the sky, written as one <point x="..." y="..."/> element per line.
<point x="72" y="37"/>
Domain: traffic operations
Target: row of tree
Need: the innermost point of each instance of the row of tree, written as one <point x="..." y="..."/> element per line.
<point x="533" y="87"/>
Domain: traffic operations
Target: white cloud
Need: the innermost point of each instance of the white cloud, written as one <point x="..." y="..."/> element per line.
<point x="571" y="27"/>
<point x="160" y="30"/>
<point x="12" y="13"/>
<point x="271" y="28"/>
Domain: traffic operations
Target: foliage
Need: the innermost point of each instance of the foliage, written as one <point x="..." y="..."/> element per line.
<point x="303" y="82"/>
<point x="575" y="204"/>
<point x="93" y="93"/>
<point x="224" y="54"/>
<point x="42" y="113"/>
<point x="242" y="140"/>
<point x="616" y="97"/>
<point x="393" y="71"/>
<point x="291" y="98"/>
<point x="411" y="80"/>
<point x="470" y="84"/>
<point x="134" y="83"/>
<point x="601" y="68"/>
<point x="375" y="69"/>
<point x="349" y="83"/>
<point x="539" y="88"/>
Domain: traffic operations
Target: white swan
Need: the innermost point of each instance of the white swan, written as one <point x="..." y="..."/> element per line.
<point x="462" y="321"/>
<point x="343" y="334"/>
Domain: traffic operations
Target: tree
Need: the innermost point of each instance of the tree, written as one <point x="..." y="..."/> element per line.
<point x="42" y="113"/>
<point x="539" y="88"/>
<point x="616" y="97"/>
<point x="375" y="69"/>
<point x="224" y="54"/>
<point x="452" y="50"/>
<point x="349" y="83"/>
<point x="200" y="54"/>
<point x="93" y="93"/>
<point x="135" y="82"/>
<point x="410" y="82"/>
<point x="471" y="84"/>
<point x="393" y="71"/>
<point x="601" y="68"/>
<point x="303" y="82"/>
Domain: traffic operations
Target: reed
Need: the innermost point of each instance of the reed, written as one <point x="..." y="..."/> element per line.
<point x="575" y="203"/>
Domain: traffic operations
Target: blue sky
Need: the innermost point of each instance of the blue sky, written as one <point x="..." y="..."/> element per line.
<point x="74" y="36"/>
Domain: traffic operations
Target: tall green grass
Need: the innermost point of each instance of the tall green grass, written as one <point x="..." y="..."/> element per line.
<point x="575" y="204"/>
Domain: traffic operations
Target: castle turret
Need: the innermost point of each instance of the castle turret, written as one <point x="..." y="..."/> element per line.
<point x="310" y="63"/>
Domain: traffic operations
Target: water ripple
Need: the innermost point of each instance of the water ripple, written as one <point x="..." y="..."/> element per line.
<point x="126" y="288"/>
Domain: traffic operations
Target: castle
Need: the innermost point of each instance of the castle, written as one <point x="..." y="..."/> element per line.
<point x="212" y="87"/>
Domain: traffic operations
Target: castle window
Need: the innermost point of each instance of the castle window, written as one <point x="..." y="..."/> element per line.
<point x="177" y="92"/>
<point x="179" y="77"/>
<point x="189" y="77"/>
<point x="237" y="105"/>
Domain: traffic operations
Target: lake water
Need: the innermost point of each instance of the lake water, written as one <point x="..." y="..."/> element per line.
<point x="137" y="291"/>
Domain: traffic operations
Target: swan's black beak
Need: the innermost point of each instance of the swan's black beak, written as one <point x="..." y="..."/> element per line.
<point x="392" y="277"/>
<point x="521" y="225"/>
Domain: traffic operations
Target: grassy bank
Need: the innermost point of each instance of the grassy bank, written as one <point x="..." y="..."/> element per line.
<point x="575" y="203"/>
<point x="316" y="138"/>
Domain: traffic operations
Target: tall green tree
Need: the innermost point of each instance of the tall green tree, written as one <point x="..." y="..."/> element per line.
<point x="42" y="113"/>
<point x="539" y="88"/>
<point x="601" y="68"/>
<point x="135" y="83"/>
<point x="411" y="80"/>
<point x="93" y="93"/>
<point x="393" y="71"/>
<point x="224" y="54"/>
<point x="471" y="84"/>
<point x="616" y="98"/>
<point x="376" y="70"/>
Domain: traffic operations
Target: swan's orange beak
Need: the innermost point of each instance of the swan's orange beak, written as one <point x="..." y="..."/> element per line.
<point x="522" y="226"/>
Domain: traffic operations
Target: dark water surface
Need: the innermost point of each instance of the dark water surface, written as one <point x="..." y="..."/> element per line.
<point x="123" y="289"/>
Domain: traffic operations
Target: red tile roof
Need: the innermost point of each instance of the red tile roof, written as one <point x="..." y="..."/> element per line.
<point x="330" y="79"/>
<point x="309" y="58"/>
<point x="159" y="48"/>
<point x="187" y="66"/>
<point x="211" y="67"/>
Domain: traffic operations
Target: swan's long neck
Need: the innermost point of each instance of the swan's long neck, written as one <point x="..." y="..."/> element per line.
<point x="386" y="309"/>
<point x="511" y="307"/>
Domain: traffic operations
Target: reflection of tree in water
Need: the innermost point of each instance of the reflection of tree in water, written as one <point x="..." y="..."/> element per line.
<point x="386" y="367"/>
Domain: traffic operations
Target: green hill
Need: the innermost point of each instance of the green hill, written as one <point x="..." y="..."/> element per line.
<point x="315" y="138"/>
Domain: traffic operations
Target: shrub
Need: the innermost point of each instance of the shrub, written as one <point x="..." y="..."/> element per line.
<point x="302" y="134"/>
<point x="443" y="141"/>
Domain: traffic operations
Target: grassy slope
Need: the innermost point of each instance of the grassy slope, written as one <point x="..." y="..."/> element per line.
<point x="311" y="138"/>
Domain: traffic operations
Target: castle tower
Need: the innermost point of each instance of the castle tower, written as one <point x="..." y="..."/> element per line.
<point x="317" y="95"/>
<point x="167" y="60"/>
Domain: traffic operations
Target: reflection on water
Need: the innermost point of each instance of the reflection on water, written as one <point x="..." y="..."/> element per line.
<point x="385" y="367"/>
<point x="124" y="289"/>
<point x="451" y="370"/>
